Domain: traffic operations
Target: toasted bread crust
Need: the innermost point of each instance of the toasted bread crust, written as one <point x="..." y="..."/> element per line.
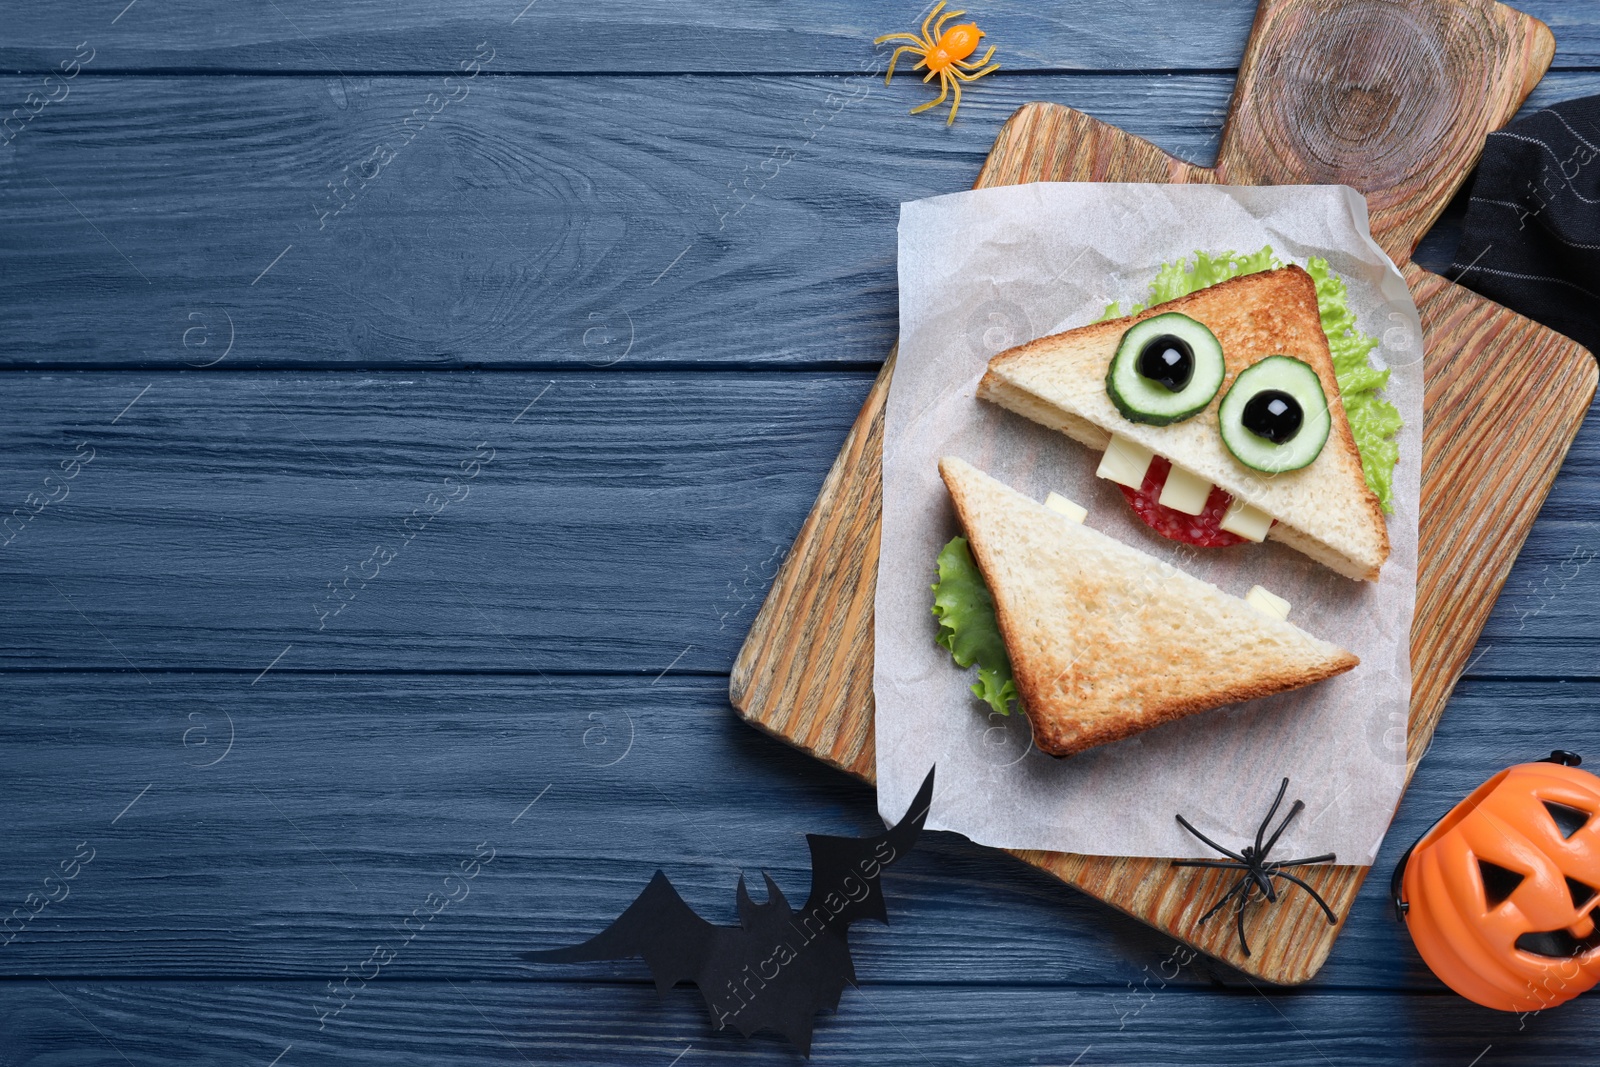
<point x="1253" y="316"/>
<point x="1063" y="595"/>
<point x="1056" y="737"/>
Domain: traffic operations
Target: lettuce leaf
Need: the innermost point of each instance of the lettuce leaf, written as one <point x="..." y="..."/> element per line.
<point x="1373" y="420"/>
<point x="968" y="627"/>
<point x="1182" y="278"/>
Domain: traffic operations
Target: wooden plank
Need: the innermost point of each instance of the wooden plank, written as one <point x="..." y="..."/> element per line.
<point x="399" y="1024"/>
<point x="1547" y="611"/>
<point x="539" y="222"/>
<point x="556" y="522"/>
<point x="638" y="36"/>
<point x="635" y="36"/>
<point x="624" y="519"/>
<point x="1492" y="376"/>
<point x="1542" y="624"/>
<point x="344" y="801"/>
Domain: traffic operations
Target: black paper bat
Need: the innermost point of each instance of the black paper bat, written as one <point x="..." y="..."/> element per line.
<point x="778" y="967"/>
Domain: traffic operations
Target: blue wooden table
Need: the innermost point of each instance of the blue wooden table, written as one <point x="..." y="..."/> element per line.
<point x="407" y="406"/>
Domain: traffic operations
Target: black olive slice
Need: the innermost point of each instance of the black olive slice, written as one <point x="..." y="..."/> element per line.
<point x="1273" y="414"/>
<point x="1168" y="361"/>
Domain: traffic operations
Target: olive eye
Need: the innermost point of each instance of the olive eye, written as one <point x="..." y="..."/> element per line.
<point x="1568" y="820"/>
<point x="1498" y="883"/>
<point x="1275" y="416"/>
<point x="1167" y="369"/>
<point x="1167" y="361"/>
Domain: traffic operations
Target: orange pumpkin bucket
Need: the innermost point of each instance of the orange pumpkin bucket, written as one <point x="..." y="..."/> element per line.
<point x="1499" y="895"/>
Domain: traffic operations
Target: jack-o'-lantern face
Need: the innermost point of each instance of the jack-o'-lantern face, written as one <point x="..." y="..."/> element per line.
<point x="1500" y="895"/>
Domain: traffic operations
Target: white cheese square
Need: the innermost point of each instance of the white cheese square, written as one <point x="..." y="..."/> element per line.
<point x="1248" y="522"/>
<point x="1062" y="506"/>
<point x="1267" y="603"/>
<point x="1185" y="492"/>
<point x="1125" y="462"/>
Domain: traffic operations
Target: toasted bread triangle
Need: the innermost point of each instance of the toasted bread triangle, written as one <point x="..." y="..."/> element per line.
<point x="1325" y="510"/>
<point x="1106" y="641"/>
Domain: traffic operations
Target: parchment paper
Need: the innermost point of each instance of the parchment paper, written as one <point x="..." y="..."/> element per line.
<point x="985" y="270"/>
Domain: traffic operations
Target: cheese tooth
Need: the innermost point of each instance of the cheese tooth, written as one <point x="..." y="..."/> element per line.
<point x="1248" y="522"/>
<point x="1267" y="603"/>
<point x="1125" y="462"/>
<point x="1061" y="505"/>
<point x="1185" y="492"/>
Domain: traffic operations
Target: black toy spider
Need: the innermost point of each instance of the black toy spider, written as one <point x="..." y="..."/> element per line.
<point x="1258" y="873"/>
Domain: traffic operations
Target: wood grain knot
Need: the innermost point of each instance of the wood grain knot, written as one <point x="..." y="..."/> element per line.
<point x="1392" y="97"/>
<point x="1365" y="99"/>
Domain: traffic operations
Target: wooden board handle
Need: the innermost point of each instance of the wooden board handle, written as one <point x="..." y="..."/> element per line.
<point x="1391" y="98"/>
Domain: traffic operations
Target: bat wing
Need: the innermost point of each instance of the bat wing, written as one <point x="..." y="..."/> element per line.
<point x="844" y="870"/>
<point x="778" y="968"/>
<point x="658" y="926"/>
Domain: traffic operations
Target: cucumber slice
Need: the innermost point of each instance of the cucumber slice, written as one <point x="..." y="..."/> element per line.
<point x="1167" y="369"/>
<point x="1275" y="416"/>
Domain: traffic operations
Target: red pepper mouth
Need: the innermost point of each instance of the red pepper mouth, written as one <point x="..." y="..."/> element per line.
<point x="1203" y="530"/>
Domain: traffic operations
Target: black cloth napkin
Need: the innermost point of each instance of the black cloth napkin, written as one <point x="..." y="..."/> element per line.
<point x="1531" y="240"/>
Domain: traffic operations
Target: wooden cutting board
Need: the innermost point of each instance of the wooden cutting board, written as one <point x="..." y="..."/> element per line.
<point x="1392" y="97"/>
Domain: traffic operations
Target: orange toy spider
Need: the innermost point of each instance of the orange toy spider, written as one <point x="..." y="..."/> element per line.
<point x="944" y="55"/>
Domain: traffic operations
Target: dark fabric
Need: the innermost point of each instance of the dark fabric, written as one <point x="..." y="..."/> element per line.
<point x="1531" y="240"/>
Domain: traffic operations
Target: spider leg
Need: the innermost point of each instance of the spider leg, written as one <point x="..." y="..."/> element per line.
<point x="1229" y="895"/>
<point x="896" y="58"/>
<point x="953" y="107"/>
<point x="967" y="76"/>
<point x="929" y="19"/>
<point x="1261" y="831"/>
<point x="1225" y="851"/>
<point x="1332" y="919"/>
<point x="1224" y="864"/>
<point x="1326" y="857"/>
<point x="974" y="64"/>
<point x="898" y="37"/>
<point x="1239" y="919"/>
<point x="944" y="91"/>
<point x="1299" y="806"/>
<point x="948" y="15"/>
<point x="975" y="75"/>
